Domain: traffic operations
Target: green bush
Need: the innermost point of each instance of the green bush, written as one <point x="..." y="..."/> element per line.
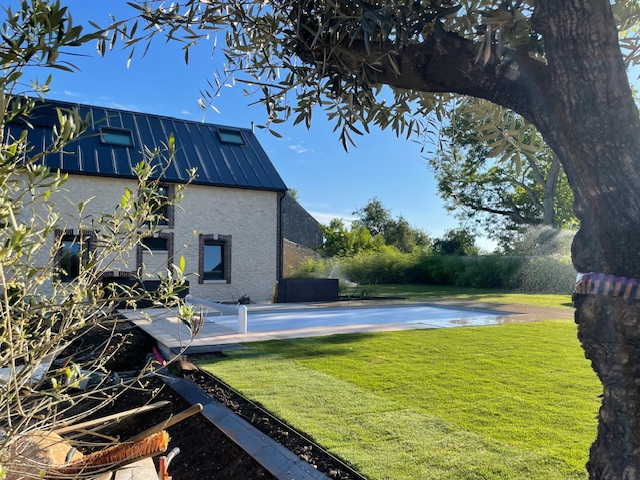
<point x="548" y="274"/>
<point x="313" y="268"/>
<point x="392" y="266"/>
<point x="493" y="271"/>
<point x="387" y="265"/>
<point x="544" y="274"/>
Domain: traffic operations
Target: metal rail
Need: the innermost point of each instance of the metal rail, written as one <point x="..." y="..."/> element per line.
<point x="237" y="310"/>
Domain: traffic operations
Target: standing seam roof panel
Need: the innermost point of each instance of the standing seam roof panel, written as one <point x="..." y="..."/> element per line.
<point x="257" y="152"/>
<point x="197" y="145"/>
<point x="191" y="153"/>
<point x="246" y="154"/>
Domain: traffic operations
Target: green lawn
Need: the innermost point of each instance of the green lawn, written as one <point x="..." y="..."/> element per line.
<point x="505" y="401"/>
<point x="432" y="292"/>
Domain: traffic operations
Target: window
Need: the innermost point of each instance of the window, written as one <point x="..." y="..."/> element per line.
<point x="215" y="258"/>
<point x="155" y="244"/>
<point x="114" y="136"/>
<point x="231" y="136"/>
<point x="164" y="212"/>
<point x="74" y="252"/>
<point x="160" y="242"/>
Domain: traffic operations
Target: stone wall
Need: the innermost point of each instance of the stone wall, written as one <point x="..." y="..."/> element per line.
<point x="293" y="255"/>
<point x="298" y="225"/>
<point x="248" y="218"/>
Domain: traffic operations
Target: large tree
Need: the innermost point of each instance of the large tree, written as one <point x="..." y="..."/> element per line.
<point x="486" y="189"/>
<point x="396" y="232"/>
<point x="556" y="63"/>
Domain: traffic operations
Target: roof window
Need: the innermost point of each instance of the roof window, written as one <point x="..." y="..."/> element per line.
<point x="114" y="136"/>
<point x="231" y="136"/>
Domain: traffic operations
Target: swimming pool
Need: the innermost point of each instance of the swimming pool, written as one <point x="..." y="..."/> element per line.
<point x="410" y="316"/>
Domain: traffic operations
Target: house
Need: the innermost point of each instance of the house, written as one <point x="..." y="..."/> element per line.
<point x="234" y="204"/>
<point x="302" y="235"/>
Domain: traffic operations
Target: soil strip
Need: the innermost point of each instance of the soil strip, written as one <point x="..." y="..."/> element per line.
<point x="279" y="461"/>
<point x="275" y="428"/>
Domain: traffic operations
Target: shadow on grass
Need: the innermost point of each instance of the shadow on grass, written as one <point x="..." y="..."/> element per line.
<point x="290" y="349"/>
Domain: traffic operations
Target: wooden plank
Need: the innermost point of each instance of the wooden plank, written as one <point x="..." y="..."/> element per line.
<point x="279" y="461"/>
<point x="140" y="470"/>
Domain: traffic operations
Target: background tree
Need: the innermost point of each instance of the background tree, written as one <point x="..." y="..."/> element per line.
<point x="486" y="190"/>
<point x="374" y="216"/>
<point x="456" y="242"/>
<point x="341" y="242"/>
<point x="294" y="193"/>
<point x="395" y="232"/>
<point x="558" y="64"/>
<point x="400" y="234"/>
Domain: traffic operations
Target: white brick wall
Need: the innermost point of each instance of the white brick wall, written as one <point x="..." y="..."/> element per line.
<point x="249" y="216"/>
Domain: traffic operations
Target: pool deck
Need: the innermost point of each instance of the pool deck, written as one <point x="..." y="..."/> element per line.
<point x="174" y="338"/>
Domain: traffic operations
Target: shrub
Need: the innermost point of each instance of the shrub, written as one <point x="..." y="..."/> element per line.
<point x="313" y="268"/>
<point x="388" y="265"/>
<point x="548" y="274"/>
<point x="46" y="304"/>
<point x="493" y="271"/>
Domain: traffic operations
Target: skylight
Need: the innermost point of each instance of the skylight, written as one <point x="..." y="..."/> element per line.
<point x="231" y="136"/>
<point x="114" y="136"/>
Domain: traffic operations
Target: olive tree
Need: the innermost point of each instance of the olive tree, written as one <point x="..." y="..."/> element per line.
<point x="561" y="65"/>
<point x="45" y="303"/>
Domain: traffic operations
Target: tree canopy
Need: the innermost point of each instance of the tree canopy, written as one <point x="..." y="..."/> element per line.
<point x="502" y="198"/>
<point x="395" y="232"/>
<point x="456" y="242"/>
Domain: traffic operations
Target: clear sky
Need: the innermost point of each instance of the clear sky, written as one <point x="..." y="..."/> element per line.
<point x="330" y="182"/>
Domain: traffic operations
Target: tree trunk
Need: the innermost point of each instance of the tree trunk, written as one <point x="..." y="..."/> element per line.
<point x="592" y="125"/>
<point x="609" y="329"/>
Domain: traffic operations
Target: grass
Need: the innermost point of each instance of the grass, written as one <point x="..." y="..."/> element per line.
<point x="513" y="401"/>
<point x="432" y="292"/>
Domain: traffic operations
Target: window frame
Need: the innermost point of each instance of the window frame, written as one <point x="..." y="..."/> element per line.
<point x="231" y="132"/>
<point x="88" y="240"/>
<point x="225" y="242"/>
<point x="116" y="131"/>
<point x="141" y="249"/>
<point x="150" y="244"/>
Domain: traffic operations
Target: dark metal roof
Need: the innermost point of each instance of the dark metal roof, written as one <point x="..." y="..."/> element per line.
<point x="239" y="162"/>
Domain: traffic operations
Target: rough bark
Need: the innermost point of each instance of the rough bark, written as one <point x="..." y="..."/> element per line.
<point x="592" y="124"/>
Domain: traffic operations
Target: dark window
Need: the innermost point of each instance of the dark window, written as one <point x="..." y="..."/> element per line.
<point x="74" y="252"/>
<point x="113" y="136"/>
<point x="213" y="260"/>
<point x="163" y="211"/>
<point x="231" y="136"/>
<point x="160" y="242"/>
<point x="155" y="244"/>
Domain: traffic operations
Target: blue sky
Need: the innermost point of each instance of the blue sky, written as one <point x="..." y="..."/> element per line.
<point x="330" y="182"/>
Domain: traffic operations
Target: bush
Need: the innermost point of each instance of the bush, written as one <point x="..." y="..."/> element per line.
<point x="544" y="274"/>
<point x="493" y="271"/>
<point x="548" y="274"/>
<point x="313" y="268"/>
<point x="388" y="265"/>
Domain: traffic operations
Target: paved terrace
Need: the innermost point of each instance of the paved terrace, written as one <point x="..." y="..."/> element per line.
<point x="284" y="321"/>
